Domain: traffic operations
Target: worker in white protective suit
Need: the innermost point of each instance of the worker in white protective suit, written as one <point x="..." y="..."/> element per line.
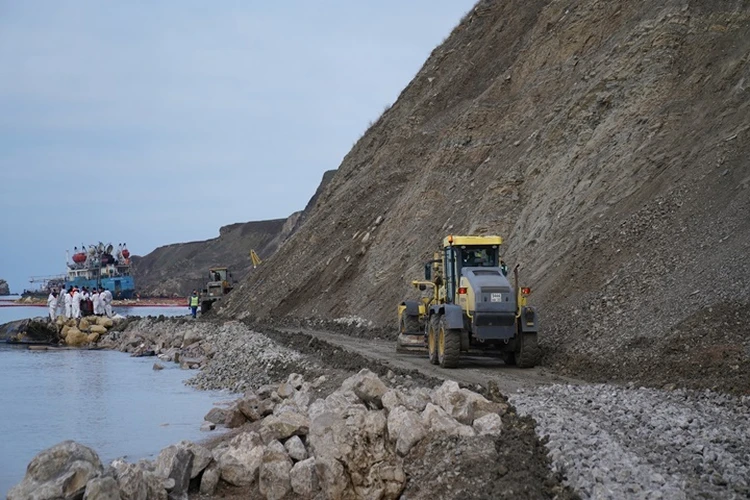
<point x="107" y="301"/>
<point x="61" y="301"/>
<point x="76" y="303"/>
<point x="52" y="305"/>
<point x="69" y="304"/>
<point x="96" y="300"/>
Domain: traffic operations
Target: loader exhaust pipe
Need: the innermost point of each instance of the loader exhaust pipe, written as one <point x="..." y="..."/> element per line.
<point x="517" y="290"/>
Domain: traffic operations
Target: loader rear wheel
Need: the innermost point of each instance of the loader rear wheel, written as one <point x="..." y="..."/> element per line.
<point x="527" y="356"/>
<point x="432" y="332"/>
<point x="449" y="345"/>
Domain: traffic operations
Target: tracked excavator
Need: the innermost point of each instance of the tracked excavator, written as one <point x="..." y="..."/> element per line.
<point x="468" y="305"/>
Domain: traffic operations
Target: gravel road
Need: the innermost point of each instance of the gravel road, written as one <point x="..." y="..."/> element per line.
<point x="616" y="442"/>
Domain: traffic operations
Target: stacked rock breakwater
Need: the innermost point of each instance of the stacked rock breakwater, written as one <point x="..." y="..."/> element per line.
<point x="319" y="430"/>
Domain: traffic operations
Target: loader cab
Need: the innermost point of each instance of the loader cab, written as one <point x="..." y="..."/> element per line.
<point x="217" y="274"/>
<point x="467" y="251"/>
<point x="219" y="282"/>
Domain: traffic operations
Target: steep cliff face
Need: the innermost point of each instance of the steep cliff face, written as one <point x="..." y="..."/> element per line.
<point x="4" y="288"/>
<point x="606" y="141"/>
<point x="179" y="268"/>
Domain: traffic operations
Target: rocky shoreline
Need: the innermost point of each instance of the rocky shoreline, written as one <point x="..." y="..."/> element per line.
<point x="312" y="424"/>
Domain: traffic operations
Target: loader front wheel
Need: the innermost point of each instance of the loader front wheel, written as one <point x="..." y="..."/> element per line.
<point x="432" y="333"/>
<point x="449" y="345"/>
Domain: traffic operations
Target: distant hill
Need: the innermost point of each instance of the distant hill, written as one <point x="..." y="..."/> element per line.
<point x="178" y="268"/>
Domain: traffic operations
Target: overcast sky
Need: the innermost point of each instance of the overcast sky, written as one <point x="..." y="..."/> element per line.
<point x="158" y="122"/>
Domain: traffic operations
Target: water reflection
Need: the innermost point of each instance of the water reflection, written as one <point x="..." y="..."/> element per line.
<point x="116" y="404"/>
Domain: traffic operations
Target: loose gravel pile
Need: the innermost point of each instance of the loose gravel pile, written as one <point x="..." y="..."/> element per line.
<point x="615" y="442"/>
<point x="243" y="359"/>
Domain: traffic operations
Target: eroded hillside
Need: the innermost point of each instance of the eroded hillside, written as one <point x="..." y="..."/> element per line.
<point x="606" y="141"/>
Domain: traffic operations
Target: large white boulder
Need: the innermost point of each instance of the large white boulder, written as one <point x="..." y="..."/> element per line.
<point x="349" y="446"/>
<point x="489" y="425"/>
<point x="368" y="388"/>
<point x="284" y="425"/>
<point x="405" y="429"/>
<point x="439" y="421"/>
<point x="304" y="478"/>
<point x="274" y="480"/>
<point x="239" y="461"/>
<point x="59" y="472"/>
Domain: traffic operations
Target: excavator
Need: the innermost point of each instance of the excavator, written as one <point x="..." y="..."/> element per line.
<point x="468" y="304"/>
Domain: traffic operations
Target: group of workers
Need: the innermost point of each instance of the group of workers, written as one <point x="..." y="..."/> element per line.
<point x="74" y="303"/>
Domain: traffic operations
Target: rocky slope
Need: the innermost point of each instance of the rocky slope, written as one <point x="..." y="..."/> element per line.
<point x="607" y="141"/>
<point x="4" y="288"/>
<point x="178" y="268"/>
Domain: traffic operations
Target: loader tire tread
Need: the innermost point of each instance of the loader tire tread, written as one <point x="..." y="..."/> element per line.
<point x="528" y="355"/>
<point x="452" y="346"/>
<point x="433" y="327"/>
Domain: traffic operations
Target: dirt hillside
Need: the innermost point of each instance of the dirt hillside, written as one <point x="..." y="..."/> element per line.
<point x="608" y="142"/>
<point x="178" y="268"/>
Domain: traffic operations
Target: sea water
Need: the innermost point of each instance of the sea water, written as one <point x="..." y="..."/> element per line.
<point x="117" y="405"/>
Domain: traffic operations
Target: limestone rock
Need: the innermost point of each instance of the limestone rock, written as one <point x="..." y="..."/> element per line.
<point x="97" y="329"/>
<point x="304" y="478"/>
<point x="105" y="322"/>
<point x="415" y="399"/>
<point x="210" y="479"/>
<point x="464" y="405"/>
<point x="367" y="386"/>
<point x="191" y="337"/>
<point x="169" y="459"/>
<point x="102" y="488"/>
<point x="59" y="472"/>
<point x="405" y="429"/>
<point x="295" y="380"/>
<point x="250" y="406"/>
<point x="285" y="390"/>
<point x="240" y="460"/>
<point x="76" y="338"/>
<point x="295" y="448"/>
<point x="182" y="465"/>
<point x="284" y="425"/>
<point x="437" y="420"/>
<point x="274" y="481"/>
<point x="347" y="442"/>
<point x="234" y="418"/>
<point x="92" y="337"/>
<point x="216" y="416"/>
<point x="489" y="425"/>
<point x="131" y="481"/>
<point x="83" y="324"/>
<point x="201" y="457"/>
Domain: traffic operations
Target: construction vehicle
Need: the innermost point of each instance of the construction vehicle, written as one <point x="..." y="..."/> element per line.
<point x="218" y="285"/>
<point x="254" y="258"/>
<point x="468" y="305"/>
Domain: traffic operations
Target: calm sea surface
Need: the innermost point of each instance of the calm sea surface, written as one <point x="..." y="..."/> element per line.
<point x="116" y="404"/>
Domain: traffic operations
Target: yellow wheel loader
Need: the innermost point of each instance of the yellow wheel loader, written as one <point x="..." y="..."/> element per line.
<point x="468" y="304"/>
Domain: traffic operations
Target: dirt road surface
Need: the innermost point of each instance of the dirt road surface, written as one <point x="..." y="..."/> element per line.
<point x="472" y="370"/>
